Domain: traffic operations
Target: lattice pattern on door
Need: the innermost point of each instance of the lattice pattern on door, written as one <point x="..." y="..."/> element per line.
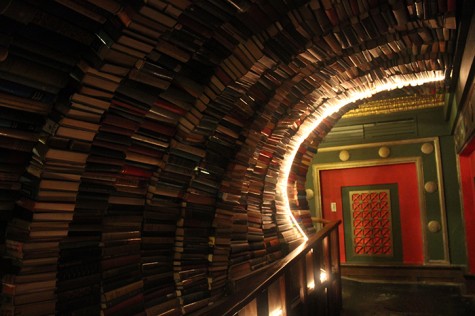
<point x="371" y="223"/>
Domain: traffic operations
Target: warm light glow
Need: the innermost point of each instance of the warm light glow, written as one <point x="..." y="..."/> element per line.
<point x="323" y="276"/>
<point x="333" y="105"/>
<point x="311" y="285"/>
<point x="277" y="312"/>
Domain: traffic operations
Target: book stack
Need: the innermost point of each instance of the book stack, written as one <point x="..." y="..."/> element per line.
<point x="224" y="91"/>
<point x="33" y="72"/>
<point x="20" y="130"/>
<point x="269" y="227"/>
<point x="299" y="170"/>
<point x="247" y="234"/>
<point x="228" y="211"/>
<point x="26" y="98"/>
<point x="277" y="143"/>
<point x="221" y="147"/>
<point x="239" y="265"/>
<point x="304" y="219"/>
<point x="170" y="181"/>
<point x="121" y="243"/>
<point x="255" y="235"/>
<point x="192" y="253"/>
<point x="77" y="269"/>
<point x="42" y="218"/>
<point x="32" y="60"/>
<point x="254" y="207"/>
<point x="105" y="161"/>
<point x="158" y="242"/>
<point x="291" y="236"/>
<point x="39" y="64"/>
<point x="192" y="245"/>
<point x="140" y="147"/>
<point x="106" y="178"/>
<point x="163" y="210"/>
<point x="121" y="277"/>
<point x="235" y="191"/>
<point x="207" y="182"/>
<point x="220" y="243"/>
<point x="123" y="153"/>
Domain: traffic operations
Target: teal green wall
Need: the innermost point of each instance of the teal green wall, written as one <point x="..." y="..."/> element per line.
<point x="424" y="123"/>
<point x="456" y="227"/>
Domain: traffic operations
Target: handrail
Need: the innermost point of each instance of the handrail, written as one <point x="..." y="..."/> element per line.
<point x="259" y="283"/>
<point x="320" y="220"/>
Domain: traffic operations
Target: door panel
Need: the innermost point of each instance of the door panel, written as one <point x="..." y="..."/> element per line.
<point x="372" y="226"/>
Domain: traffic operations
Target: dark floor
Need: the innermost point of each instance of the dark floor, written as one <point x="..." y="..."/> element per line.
<point x="363" y="298"/>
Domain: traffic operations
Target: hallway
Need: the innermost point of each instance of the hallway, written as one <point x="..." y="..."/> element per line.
<point x="381" y="299"/>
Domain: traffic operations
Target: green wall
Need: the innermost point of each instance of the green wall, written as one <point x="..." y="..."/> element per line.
<point x="405" y="140"/>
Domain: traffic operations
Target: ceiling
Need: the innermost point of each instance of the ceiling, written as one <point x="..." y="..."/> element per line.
<point x="245" y="58"/>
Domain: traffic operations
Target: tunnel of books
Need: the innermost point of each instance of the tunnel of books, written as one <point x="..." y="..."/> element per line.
<point x="150" y="150"/>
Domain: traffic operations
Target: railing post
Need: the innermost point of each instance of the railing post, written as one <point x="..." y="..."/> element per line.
<point x="262" y="301"/>
<point x="336" y="299"/>
<point x="304" y="284"/>
<point x="296" y="288"/>
<point x="319" y="305"/>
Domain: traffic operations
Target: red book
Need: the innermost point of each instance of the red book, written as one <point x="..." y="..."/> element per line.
<point x="129" y="107"/>
<point x="332" y="16"/>
<point x="169" y="107"/>
<point x="159" y="128"/>
<point x="136" y="171"/>
<point x="130" y="302"/>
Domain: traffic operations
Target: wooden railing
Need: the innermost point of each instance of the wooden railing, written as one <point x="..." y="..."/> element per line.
<point x="305" y="282"/>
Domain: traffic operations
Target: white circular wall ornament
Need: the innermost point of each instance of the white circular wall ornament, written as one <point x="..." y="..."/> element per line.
<point x="433" y="226"/>
<point x="427" y="148"/>
<point x="430" y="186"/>
<point x="384" y="152"/>
<point x="344" y="155"/>
<point x="308" y="194"/>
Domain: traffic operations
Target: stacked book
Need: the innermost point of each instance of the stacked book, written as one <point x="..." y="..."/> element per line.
<point x="42" y="218"/>
<point x="33" y="72"/>
<point x="255" y="236"/>
<point x="192" y="252"/>
<point x="122" y="220"/>
<point x="80" y="252"/>
<point x="20" y="130"/>
<point x="206" y="183"/>
<point x="239" y="265"/>
<point x="254" y="208"/>
<point x="158" y="242"/>
<point x="220" y="243"/>
<point x="304" y="219"/>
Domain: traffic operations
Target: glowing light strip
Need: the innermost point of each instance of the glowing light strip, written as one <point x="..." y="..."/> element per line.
<point x="332" y="106"/>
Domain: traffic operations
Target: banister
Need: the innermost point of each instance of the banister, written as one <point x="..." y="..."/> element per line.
<point x="320" y="220"/>
<point x="258" y="283"/>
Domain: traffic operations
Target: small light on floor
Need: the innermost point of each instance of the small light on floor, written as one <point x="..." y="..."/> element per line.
<point x="323" y="276"/>
<point x="277" y="312"/>
<point x="311" y="285"/>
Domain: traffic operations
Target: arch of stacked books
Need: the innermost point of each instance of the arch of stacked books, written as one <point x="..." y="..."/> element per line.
<point x="151" y="150"/>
